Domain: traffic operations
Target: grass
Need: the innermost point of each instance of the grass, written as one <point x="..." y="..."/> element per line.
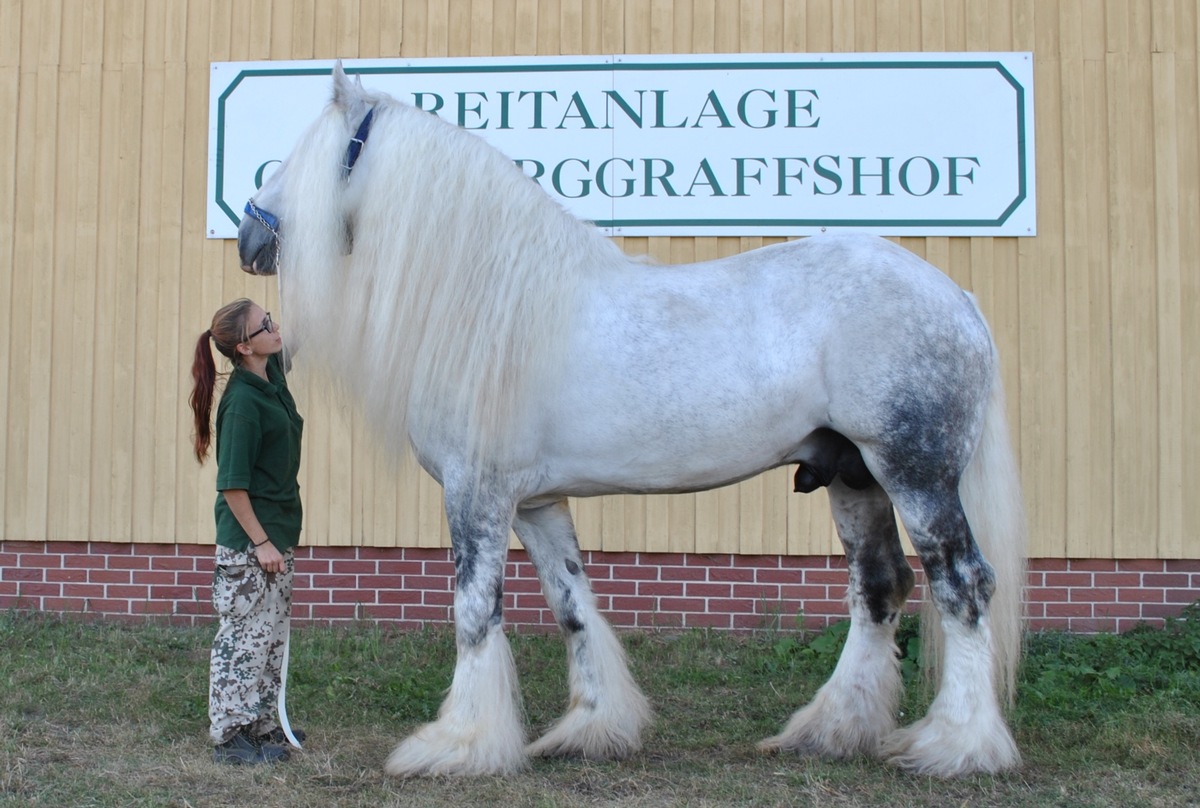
<point x="115" y="715"/>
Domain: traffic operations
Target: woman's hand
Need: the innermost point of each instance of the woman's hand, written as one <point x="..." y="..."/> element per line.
<point x="269" y="558"/>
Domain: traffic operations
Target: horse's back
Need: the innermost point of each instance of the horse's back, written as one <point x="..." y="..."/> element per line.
<point x="841" y="299"/>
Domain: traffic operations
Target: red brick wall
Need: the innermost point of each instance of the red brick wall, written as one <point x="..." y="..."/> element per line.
<point x="410" y="587"/>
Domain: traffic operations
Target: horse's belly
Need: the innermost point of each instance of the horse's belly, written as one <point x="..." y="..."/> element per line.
<point x="625" y="439"/>
<point x="651" y="472"/>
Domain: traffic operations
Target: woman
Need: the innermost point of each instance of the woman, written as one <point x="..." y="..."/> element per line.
<point x="258" y="516"/>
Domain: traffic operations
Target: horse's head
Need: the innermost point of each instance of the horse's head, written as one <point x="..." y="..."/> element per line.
<point x="265" y="221"/>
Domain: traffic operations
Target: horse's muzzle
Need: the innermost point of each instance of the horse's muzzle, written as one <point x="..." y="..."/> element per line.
<point x="258" y="247"/>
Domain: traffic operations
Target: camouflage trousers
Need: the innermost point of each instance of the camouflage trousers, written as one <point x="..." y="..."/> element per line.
<point x="253" y="608"/>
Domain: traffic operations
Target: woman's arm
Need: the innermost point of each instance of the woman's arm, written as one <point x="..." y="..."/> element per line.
<point x="269" y="558"/>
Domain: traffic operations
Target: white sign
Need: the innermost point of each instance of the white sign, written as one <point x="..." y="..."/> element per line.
<point x="741" y="144"/>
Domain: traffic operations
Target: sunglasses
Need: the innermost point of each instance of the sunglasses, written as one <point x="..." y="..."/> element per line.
<point x="268" y="325"/>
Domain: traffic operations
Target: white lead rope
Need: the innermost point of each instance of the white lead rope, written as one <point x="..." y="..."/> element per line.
<point x="284" y="724"/>
<point x="283" y="676"/>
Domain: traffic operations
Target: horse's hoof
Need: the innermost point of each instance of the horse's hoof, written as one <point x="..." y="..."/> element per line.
<point x="936" y="750"/>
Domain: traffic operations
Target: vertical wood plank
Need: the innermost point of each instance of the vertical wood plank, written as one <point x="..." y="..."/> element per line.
<point x="1135" y="401"/>
<point x="547" y="28"/>
<point x="887" y="26"/>
<point x="458" y="29"/>
<point x="414" y="20"/>
<point x="612" y="27"/>
<point x="792" y="25"/>
<point x="1169" y="312"/>
<point x="726" y="27"/>
<point x="65" y="271"/>
<point x="1041" y="302"/>
<point x="124" y="311"/>
<point x="1097" y="528"/>
<point x="524" y="28"/>
<point x="20" y="287"/>
<point x="637" y="28"/>
<point x="702" y="37"/>
<point x="570" y="27"/>
<point x="588" y="514"/>
<point x="48" y="275"/>
<point x="83" y="322"/>
<point x="283" y="22"/>
<point x="1078" y="312"/>
<point x="1187" y="41"/>
<point x="169" y="368"/>
<point x="818" y="27"/>
<point x="592" y="27"/>
<point x="302" y="24"/>
<point x="341" y="462"/>
<point x="482" y="25"/>
<point x="368" y="29"/>
<point x="682" y="24"/>
<point x="866" y="22"/>
<point x="10" y="48"/>
<point x="661" y="33"/>
<point x="437" y="24"/>
<point x="193" y="493"/>
<point x="504" y="28"/>
<point x="391" y="29"/>
<point x="146" y="304"/>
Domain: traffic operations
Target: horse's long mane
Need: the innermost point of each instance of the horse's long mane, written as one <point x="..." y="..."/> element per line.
<point x="450" y="312"/>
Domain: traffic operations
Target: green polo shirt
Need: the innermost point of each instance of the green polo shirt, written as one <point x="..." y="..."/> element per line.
<point x="258" y="435"/>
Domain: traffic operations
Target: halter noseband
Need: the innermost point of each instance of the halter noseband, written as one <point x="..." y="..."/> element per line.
<point x="271" y="221"/>
<point x="267" y="220"/>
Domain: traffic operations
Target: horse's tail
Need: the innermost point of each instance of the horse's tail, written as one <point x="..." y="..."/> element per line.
<point x="990" y="490"/>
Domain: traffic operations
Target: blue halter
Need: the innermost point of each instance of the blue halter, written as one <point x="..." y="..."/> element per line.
<point x="271" y="221"/>
<point x="358" y="141"/>
<point x="267" y="220"/>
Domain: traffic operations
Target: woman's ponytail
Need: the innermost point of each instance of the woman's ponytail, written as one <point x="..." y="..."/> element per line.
<point x="204" y="380"/>
<point x="228" y="329"/>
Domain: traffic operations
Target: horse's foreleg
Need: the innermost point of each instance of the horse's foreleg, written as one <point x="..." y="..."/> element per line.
<point x="480" y="726"/>
<point x="606" y="711"/>
<point x="855" y="710"/>
<point x="964" y="731"/>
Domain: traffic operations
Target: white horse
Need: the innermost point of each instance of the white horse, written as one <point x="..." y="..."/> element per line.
<point x="525" y="359"/>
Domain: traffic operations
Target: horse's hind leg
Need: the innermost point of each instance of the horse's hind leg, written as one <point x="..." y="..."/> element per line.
<point x="606" y="711"/>
<point x="855" y="710"/>
<point x="964" y="731"/>
<point x="480" y="726"/>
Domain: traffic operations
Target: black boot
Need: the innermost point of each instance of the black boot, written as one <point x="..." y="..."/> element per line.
<point x="242" y="749"/>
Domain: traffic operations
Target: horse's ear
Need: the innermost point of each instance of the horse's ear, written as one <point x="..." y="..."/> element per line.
<point x="346" y="94"/>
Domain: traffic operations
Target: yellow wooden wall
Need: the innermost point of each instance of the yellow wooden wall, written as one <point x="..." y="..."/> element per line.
<point x="106" y="278"/>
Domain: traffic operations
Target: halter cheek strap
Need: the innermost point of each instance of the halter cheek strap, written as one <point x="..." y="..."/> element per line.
<point x="358" y="141"/>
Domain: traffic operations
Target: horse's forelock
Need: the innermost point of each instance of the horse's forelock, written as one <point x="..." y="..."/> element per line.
<point x="312" y="241"/>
